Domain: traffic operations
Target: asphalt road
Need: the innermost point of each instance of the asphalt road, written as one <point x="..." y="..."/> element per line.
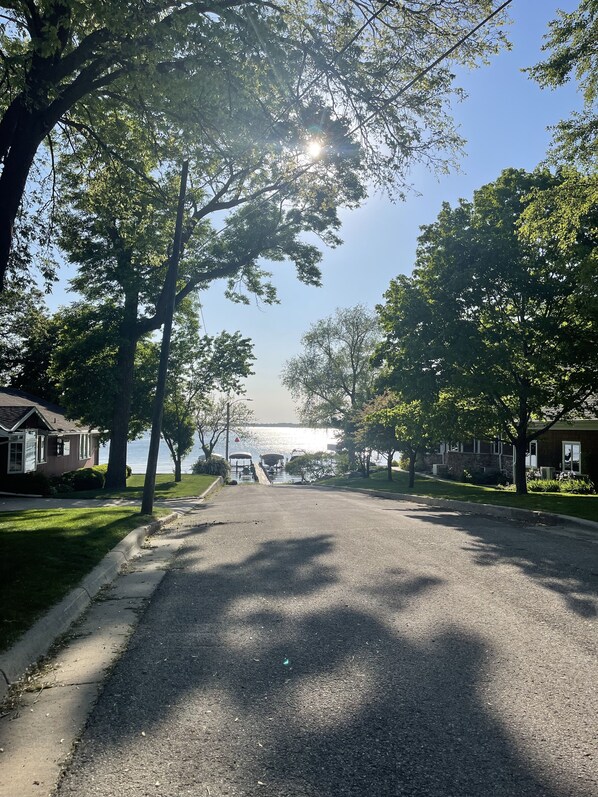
<point x="310" y="642"/>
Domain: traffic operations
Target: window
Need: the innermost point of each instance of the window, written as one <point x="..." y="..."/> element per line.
<point x="84" y="446"/>
<point x="531" y="456"/>
<point x="63" y="447"/>
<point x="16" y="456"/>
<point x="42" y="448"/>
<point x="572" y="457"/>
<point x="496" y="446"/>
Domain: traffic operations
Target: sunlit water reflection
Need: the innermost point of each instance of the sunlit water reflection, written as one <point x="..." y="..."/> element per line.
<point x="258" y="440"/>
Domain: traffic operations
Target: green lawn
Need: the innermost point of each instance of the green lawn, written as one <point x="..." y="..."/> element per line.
<point x="45" y="553"/>
<point x="189" y="487"/>
<point x="582" y="506"/>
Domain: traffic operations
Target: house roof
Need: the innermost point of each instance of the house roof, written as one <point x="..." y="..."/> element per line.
<point x="16" y="406"/>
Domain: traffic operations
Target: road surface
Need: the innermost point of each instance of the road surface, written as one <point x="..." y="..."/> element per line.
<point x="315" y="643"/>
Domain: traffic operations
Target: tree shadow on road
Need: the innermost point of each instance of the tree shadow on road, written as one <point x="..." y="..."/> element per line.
<point x="266" y="676"/>
<point x="564" y="565"/>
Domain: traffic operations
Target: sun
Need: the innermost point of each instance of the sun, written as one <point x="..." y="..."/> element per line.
<point x="314" y="149"/>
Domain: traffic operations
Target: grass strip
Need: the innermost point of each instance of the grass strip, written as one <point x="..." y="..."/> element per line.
<point x="190" y="486"/>
<point x="581" y="506"/>
<point x="45" y="553"/>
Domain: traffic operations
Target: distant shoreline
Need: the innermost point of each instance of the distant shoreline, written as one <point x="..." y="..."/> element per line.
<point x="293" y="425"/>
<point x="275" y="424"/>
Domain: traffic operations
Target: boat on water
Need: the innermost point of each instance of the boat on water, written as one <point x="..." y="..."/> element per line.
<point x="241" y="463"/>
<point x="272" y="459"/>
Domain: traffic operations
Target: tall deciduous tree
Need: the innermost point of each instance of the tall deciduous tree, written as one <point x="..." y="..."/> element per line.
<point x="333" y="377"/>
<point x="497" y="319"/>
<point x="67" y="66"/>
<point x="376" y="428"/>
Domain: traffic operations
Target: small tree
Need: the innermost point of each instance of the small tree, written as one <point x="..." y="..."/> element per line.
<point x="215" y="416"/>
<point x="312" y="467"/>
<point x="377" y="428"/>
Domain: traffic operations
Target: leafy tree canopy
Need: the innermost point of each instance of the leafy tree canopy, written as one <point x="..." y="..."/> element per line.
<point x="84" y="366"/>
<point x="572" y="44"/>
<point x="216" y="414"/>
<point x="560" y="213"/>
<point x="242" y="76"/>
<point x="499" y="320"/>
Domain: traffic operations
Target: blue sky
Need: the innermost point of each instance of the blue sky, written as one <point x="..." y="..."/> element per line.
<point x="503" y="120"/>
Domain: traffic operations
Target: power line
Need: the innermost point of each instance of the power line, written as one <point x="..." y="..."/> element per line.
<point x="429" y="68"/>
<point x="390" y="100"/>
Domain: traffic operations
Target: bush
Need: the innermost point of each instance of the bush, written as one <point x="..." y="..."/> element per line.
<point x="104" y="469"/>
<point x="87" y="479"/>
<point x="320" y="465"/>
<point x="572" y="485"/>
<point x="215" y="466"/>
<point x="486" y="477"/>
<point x="35" y="483"/>
<point x="578" y="486"/>
<point x="544" y="486"/>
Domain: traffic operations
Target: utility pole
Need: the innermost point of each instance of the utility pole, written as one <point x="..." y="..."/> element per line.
<point x="227" y="430"/>
<point x="147" y="503"/>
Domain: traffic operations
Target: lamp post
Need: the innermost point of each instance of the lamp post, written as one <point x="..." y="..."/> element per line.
<point x="228" y="406"/>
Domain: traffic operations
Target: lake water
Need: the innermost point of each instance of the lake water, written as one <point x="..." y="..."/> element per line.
<point x="257" y="440"/>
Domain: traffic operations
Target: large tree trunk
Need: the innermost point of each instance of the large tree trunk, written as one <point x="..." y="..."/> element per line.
<point x="125" y="374"/>
<point x="520" y="452"/>
<point x="177" y="469"/>
<point x="412" y="455"/>
<point x="389" y="457"/>
<point x="21" y="136"/>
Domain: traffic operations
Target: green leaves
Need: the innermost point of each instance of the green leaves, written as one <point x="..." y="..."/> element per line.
<point x="498" y="319"/>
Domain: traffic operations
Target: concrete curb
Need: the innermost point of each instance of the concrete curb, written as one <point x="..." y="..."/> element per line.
<point x="36" y="642"/>
<point x="487" y="510"/>
<point x="214" y="486"/>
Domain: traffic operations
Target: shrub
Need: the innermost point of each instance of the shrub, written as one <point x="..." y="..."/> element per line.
<point x="320" y="465"/>
<point x="490" y="477"/>
<point x="215" y="466"/>
<point x="104" y="469"/>
<point x="35" y="483"/>
<point x="577" y="486"/>
<point x="543" y="486"/>
<point x="88" y="479"/>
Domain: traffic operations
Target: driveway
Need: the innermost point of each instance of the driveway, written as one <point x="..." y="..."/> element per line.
<point x="314" y="643"/>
